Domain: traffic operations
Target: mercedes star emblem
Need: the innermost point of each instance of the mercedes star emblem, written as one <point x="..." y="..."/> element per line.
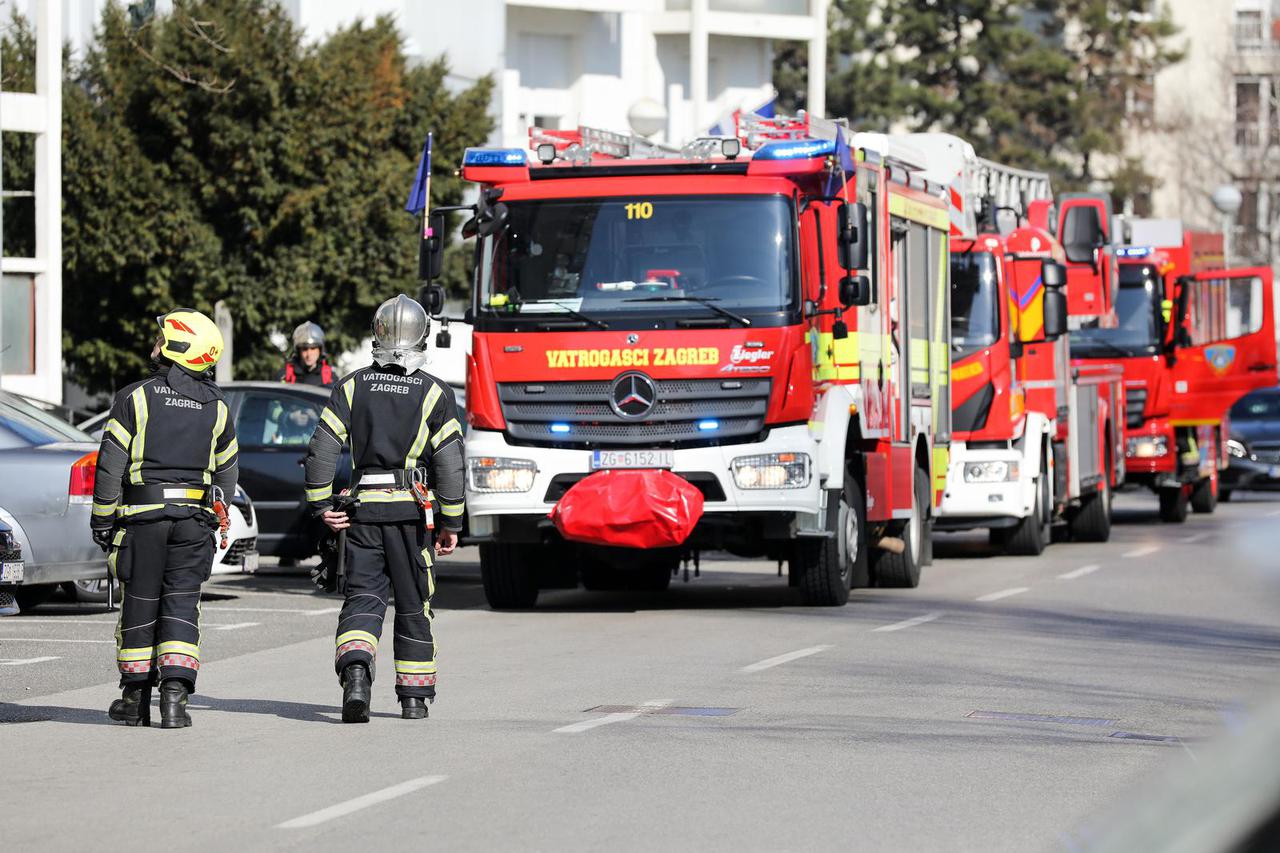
<point x="633" y="338"/>
<point x="633" y="396"/>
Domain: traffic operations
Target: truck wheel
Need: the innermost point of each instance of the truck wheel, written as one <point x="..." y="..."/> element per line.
<point x="903" y="570"/>
<point x="1093" y="522"/>
<point x="509" y="577"/>
<point x="1204" y="496"/>
<point x="35" y="595"/>
<point x="1173" y="504"/>
<point x="1224" y="495"/>
<point x="827" y="567"/>
<point x="1031" y="534"/>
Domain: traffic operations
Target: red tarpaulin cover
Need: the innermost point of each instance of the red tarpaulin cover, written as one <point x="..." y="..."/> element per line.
<point x="641" y="508"/>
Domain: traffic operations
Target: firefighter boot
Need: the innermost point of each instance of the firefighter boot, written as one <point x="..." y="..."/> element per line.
<point x="413" y="708"/>
<point x="173" y="704"/>
<point x="133" y="708"/>
<point x="356" y="691"/>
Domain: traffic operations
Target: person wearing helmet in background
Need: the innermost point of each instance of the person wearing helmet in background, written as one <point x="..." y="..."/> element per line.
<point x="308" y="365"/>
<point x="406" y="443"/>
<point x="167" y="448"/>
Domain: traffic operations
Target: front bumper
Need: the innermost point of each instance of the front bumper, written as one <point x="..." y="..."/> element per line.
<point x="966" y="506"/>
<point x="707" y="467"/>
<point x="1250" y="474"/>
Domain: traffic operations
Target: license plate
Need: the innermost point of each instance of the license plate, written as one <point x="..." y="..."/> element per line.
<point x="1273" y="472"/>
<point x="601" y="459"/>
<point x="12" y="572"/>
<point x="250" y="561"/>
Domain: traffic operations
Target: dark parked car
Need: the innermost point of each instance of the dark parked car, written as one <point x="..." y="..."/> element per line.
<point x="1254" y="448"/>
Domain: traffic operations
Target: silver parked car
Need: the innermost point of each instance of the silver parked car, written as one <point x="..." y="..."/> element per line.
<point x="46" y="489"/>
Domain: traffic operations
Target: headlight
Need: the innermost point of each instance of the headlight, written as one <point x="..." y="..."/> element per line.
<point x="771" y="471"/>
<point x="1147" y="447"/>
<point x="990" y="472"/>
<point x="1237" y="449"/>
<point x="495" y="474"/>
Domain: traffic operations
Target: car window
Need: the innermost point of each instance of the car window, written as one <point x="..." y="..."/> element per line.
<point x="1257" y="407"/>
<point x="275" y="420"/>
<point x="32" y="426"/>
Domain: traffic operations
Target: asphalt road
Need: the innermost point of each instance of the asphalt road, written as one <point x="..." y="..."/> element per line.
<point x="1006" y="704"/>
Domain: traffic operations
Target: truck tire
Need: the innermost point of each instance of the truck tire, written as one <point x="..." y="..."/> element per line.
<point x="1092" y="523"/>
<point x="1224" y="495"/>
<point x="1174" y="503"/>
<point x="827" y="567"/>
<point x="1204" y="495"/>
<point x="1029" y="537"/>
<point x="509" y="576"/>
<point x="902" y="571"/>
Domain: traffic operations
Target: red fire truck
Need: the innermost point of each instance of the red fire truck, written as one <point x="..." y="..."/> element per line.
<point x="764" y="316"/>
<point x="1034" y="442"/>
<point x="1191" y="341"/>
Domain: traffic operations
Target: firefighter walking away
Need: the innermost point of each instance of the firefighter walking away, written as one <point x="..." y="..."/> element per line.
<point x="168" y="457"/>
<point x="406" y="448"/>
<point x="309" y="365"/>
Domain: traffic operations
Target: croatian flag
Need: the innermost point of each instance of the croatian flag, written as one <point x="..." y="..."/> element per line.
<point x="420" y="193"/>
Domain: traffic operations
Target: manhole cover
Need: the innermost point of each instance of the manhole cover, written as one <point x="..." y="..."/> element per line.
<point x="1043" y="718"/>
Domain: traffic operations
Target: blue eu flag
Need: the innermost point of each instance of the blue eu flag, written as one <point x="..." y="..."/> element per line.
<point x="844" y="165"/>
<point x="421" y="190"/>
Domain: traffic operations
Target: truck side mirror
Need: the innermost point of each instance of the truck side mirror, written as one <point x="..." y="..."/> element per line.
<point x="1055" y="314"/>
<point x="1053" y="274"/>
<point x="1082" y="233"/>
<point x="431" y="297"/>
<point x="853" y="237"/>
<point x="431" y="250"/>
<point x="855" y="290"/>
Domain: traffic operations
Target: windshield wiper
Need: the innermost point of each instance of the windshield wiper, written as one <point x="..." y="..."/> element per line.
<point x="701" y="300"/>
<point x="1086" y="343"/>
<point x="571" y="312"/>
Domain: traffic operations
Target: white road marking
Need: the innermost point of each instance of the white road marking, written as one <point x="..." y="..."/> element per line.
<point x="1273" y="513"/>
<point x="213" y="607"/>
<point x="49" y="640"/>
<point x="236" y="627"/>
<point x="1078" y="573"/>
<point x="25" y="620"/>
<point x="620" y="717"/>
<point x="362" y="802"/>
<point x="1143" y="551"/>
<point x="1194" y="537"/>
<point x="1004" y="593"/>
<point x="25" y="661"/>
<point x="780" y="659"/>
<point x="908" y="623"/>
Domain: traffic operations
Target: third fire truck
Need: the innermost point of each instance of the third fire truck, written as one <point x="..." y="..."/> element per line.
<point x="1035" y="442"/>
<point x="1191" y="340"/>
<point x="764" y="316"/>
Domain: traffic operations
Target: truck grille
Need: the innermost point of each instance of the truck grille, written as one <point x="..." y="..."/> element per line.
<point x="737" y="405"/>
<point x="1135" y="403"/>
<point x="1266" y="451"/>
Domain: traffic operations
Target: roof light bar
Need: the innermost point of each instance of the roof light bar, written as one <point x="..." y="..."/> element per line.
<point x="800" y="149"/>
<point x="494" y="157"/>
<point x="1133" y="251"/>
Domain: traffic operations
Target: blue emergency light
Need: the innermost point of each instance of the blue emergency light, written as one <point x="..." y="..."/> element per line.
<point x="494" y="157"/>
<point x="796" y="149"/>
<point x="708" y="426"/>
<point x="1133" y="251"/>
<point x="561" y="428"/>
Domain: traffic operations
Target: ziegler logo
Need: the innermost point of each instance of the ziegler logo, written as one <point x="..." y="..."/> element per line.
<point x="742" y="360"/>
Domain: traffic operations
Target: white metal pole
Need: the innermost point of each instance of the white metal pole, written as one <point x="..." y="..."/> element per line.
<point x="698" y="64"/>
<point x="1227" y="227"/>
<point x="817" y="94"/>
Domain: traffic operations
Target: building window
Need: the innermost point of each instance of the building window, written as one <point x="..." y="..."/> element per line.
<point x="1248" y="113"/>
<point x="545" y="61"/>
<point x="17" y="324"/>
<point x="1248" y="28"/>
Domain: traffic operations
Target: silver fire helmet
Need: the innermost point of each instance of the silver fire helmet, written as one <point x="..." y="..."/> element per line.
<point x="308" y="334"/>
<point x="400" y="324"/>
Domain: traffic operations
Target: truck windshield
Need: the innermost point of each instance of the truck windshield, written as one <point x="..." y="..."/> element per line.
<point x="1138" y="308"/>
<point x="975" y="306"/>
<point x="641" y="256"/>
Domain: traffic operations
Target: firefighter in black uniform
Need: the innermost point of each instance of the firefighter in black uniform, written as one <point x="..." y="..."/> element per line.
<point x="406" y="447"/>
<point x="308" y="365"/>
<point x="168" y="456"/>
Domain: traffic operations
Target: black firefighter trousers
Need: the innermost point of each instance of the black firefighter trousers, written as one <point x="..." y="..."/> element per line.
<point x="160" y="566"/>
<point x="384" y="558"/>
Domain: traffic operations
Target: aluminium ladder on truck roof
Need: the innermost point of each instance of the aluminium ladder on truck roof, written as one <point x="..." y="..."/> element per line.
<point x="977" y="187"/>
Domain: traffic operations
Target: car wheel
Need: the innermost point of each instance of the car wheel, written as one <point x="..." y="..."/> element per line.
<point x="91" y="591"/>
